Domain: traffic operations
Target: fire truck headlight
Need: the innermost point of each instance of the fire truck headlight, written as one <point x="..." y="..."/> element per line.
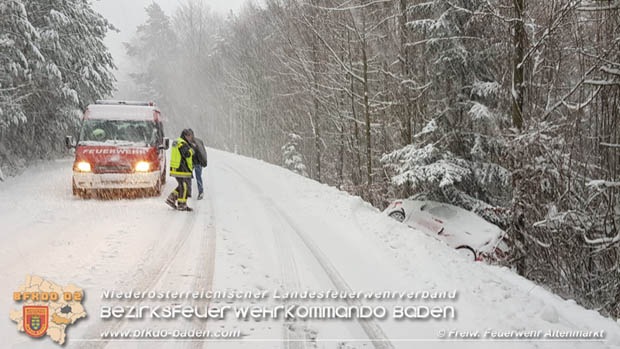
<point x="143" y="166"/>
<point x="83" y="166"/>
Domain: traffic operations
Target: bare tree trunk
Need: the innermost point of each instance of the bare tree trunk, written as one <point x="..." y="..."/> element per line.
<point x="357" y="172"/>
<point x="517" y="68"/>
<point x="341" y="155"/>
<point x="517" y="108"/>
<point x="366" y="105"/>
<point x="317" y="133"/>
<point x="404" y="60"/>
<point x="315" y="113"/>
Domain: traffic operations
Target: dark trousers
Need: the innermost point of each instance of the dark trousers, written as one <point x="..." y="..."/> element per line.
<point x="198" y="171"/>
<point x="184" y="189"/>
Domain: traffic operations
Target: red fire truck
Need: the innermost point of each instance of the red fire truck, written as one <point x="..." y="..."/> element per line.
<point x="121" y="146"/>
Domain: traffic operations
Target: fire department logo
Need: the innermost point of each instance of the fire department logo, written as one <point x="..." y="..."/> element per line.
<point x="47" y="308"/>
<point x="35" y="320"/>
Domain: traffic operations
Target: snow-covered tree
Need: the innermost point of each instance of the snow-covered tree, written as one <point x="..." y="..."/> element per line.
<point x="53" y="63"/>
<point x="292" y="158"/>
<point x="152" y="50"/>
<point x="77" y="66"/>
<point x="18" y="56"/>
<point x="455" y="156"/>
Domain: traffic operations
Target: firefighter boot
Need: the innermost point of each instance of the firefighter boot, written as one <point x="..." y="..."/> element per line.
<point x="172" y="199"/>
<point x="183" y="207"/>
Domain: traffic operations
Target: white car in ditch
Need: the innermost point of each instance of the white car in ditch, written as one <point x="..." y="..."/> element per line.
<point x="468" y="233"/>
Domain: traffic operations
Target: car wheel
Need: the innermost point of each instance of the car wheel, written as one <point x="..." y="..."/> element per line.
<point x="467" y="252"/>
<point x="398" y="215"/>
<point x="85" y="193"/>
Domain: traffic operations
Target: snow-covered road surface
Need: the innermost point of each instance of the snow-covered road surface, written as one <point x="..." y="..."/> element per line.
<point x="260" y="228"/>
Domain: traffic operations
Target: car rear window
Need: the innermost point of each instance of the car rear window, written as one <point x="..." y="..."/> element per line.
<point x="442" y="211"/>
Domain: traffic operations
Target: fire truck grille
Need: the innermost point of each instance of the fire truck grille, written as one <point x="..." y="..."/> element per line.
<point x="113" y="168"/>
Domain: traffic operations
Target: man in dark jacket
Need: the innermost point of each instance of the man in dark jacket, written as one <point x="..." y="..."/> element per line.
<point x="200" y="161"/>
<point x="181" y="167"/>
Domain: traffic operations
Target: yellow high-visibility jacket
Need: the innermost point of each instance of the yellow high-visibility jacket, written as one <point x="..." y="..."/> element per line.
<point x="181" y="159"/>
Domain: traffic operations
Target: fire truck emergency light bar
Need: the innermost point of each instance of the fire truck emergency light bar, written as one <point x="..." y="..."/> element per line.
<point x="115" y="102"/>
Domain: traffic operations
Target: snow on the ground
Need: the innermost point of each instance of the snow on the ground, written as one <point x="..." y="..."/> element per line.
<point x="260" y="227"/>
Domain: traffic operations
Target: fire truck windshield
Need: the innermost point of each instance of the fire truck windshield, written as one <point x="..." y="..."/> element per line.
<point x="118" y="132"/>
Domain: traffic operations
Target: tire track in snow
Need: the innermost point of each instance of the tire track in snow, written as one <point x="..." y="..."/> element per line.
<point x="294" y="335"/>
<point x="372" y="329"/>
<point x="206" y="262"/>
<point x="147" y="282"/>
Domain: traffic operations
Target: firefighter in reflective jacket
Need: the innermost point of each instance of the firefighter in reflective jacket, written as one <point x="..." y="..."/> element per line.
<point x="181" y="168"/>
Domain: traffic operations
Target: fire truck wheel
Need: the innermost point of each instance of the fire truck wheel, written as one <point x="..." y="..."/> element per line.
<point x="156" y="191"/>
<point x="80" y="193"/>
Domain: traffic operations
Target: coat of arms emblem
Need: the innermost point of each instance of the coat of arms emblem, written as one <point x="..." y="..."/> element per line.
<point x="36" y="320"/>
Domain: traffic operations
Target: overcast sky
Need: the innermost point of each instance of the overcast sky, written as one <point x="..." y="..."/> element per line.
<point x="126" y="15"/>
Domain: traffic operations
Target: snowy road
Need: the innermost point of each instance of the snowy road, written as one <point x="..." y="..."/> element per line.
<point x="259" y="228"/>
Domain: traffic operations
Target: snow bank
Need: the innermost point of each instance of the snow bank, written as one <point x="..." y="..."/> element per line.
<point x="372" y="251"/>
<point x="274" y="230"/>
